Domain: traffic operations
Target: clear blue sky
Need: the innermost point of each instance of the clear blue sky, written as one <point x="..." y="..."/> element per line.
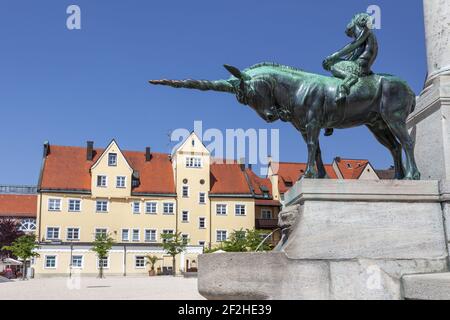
<point x="91" y="84"/>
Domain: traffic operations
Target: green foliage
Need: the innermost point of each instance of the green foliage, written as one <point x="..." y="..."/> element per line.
<point x="244" y="241"/>
<point x="174" y="244"/>
<point x="23" y="247"/>
<point x="151" y="260"/>
<point x="101" y="246"/>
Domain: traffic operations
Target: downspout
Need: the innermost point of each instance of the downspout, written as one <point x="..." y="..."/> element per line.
<point x="124" y="260"/>
<point x="70" y="264"/>
<point x="41" y="173"/>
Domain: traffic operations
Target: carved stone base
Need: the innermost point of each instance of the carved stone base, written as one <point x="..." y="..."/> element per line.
<point x="349" y="240"/>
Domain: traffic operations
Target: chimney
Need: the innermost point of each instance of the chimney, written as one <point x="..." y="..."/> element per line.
<point x="46" y="148"/>
<point x="338" y="159"/>
<point x="90" y="151"/>
<point x="242" y="163"/>
<point x="148" y="154"/>
<point x="250" y="166"/>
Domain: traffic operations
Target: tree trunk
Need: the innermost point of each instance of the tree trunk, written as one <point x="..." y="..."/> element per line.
<point x="24" y="276"/>
<point x="174" y="273"/>
<point x="100" y="274"/>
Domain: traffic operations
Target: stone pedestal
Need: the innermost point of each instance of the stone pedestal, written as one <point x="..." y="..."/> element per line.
<point x="429" y="123"/>
<point x="349" y="240"/>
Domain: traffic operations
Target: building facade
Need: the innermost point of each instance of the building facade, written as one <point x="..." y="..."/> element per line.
<point x="135" y="197"/>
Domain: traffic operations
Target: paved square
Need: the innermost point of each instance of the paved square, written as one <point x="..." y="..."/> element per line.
<point x="111" y="288"/>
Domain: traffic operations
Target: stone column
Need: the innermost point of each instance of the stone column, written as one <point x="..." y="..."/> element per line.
<point x="429" y="123"/>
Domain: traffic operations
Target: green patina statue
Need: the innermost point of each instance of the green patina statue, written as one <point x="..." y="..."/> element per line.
<point x="311" y="102"/>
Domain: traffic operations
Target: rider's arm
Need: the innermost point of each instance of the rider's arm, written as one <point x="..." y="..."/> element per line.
<point x="352" y="46"/>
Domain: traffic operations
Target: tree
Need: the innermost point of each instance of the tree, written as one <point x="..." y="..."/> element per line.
<point x="151" y="260"/>
<point x="102" y="244"/>
<point x="9" y="232"/>
<point x="244" y="241"/>
<point x="174" y="244"/>
<point x="24" y="248"/>
<point x="236" y="242"/>
<point x="254" y="239"/>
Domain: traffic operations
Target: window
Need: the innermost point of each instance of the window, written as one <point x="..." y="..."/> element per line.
<point x="239" y="209"/>
<point x="150" y="207"/>
<point x="54" y="204"/>
<point x="136" y="207"/>
<point x="112" y="159"/>
<point x="125" y="235"/>
<point x="266" y="214"/>
<point x="74" y="205"/>
<point x="168" y="208"/>
<point x="185" y="191"/>
<point x="193" y="162"/>
<point x="201" y="222"/>
<point x="201" y="243"/>
<point x="50" y="262"/>
<point x="139" y="262"/>
<point x="120" y="182"/>
<point x="167" y="232"/>
<point x="101" y="181"/>
<point x="77" y="261"/>
<point x="103" y="262"/>
<point x="73" y="233"/>
<point x="150" y="235"/>
<point x="52" y="233"/>
<point x="185" y="238"/>
<point x="201" y="198"/>
<point x="185" y="216"/>
<point x="221" y="235"/>
<point x="101" y="206"/>
<point x="27" y="225"/>
<point x="135" y="235"/>
<point x="101" y="232"/>
<point x="221" y="209"/>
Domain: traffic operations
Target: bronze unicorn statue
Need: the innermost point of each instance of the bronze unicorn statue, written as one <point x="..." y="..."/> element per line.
<point x="379" y="101"/>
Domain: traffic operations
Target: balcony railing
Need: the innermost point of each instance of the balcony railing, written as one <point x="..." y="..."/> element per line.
<point x="266" y="223"/>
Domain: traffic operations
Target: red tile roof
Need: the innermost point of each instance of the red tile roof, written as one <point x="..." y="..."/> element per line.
<point x="290" y="172"/>
<point x="267" y="202"/>
<point x="256" y="182"/>
<point x="228" y="179"/>
<point x="12" y="205"/>
<point x="66" y="168"/>
<point x="351" y="169"/>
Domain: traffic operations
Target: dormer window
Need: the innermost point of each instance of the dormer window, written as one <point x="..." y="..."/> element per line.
<point x="349" y="166"/>
<point x="112" y="159"/>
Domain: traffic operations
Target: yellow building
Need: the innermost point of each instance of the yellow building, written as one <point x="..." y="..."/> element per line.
<point x="135" y="197"/>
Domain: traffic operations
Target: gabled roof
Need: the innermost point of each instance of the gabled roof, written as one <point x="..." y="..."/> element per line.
<point x="290" y="172"/>
<point x="20" y="206"/>
<point x="228" y="179"/>
<point x="351" y="169"/>
<point x="66" y="168"/>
